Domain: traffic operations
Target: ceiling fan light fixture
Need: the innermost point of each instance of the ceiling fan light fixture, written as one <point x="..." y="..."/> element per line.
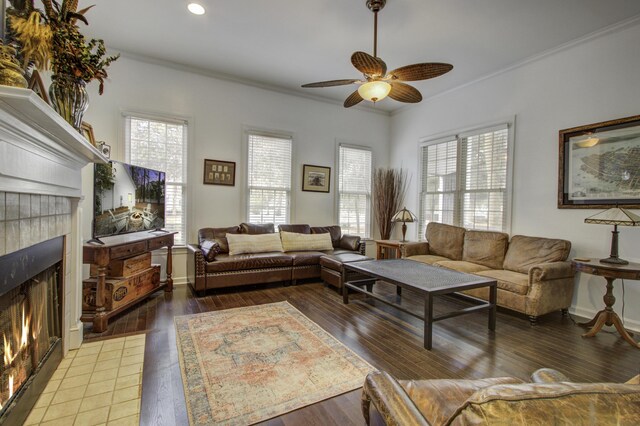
<point x="374" y="91"/>
<point x="196" y="9"/>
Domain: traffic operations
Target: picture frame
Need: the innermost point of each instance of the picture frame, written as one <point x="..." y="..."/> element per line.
<point x="87" y="132"/>
<point x="599" y="165"/>
<point x="35" y="84"/>
<point x="316" y="178"/>
<point x="218" y="172"/>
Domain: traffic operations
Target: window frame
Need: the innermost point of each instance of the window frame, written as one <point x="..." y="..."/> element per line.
<point x="509" y="124"/>
<point x="187" y="152"/>
<point x="355" y="145"/>
<point x="244" y="177"/>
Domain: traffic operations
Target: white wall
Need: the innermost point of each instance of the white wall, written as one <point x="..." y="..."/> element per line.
<point x="594" y="81"/>
<point x="218" y="111"/>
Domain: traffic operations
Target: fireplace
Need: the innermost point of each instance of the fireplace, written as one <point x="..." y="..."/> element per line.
<point x="31" y="291"/>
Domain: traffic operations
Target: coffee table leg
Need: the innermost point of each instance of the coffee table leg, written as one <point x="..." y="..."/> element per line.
<point x="493" y="298"/>
<point x="345" y="290"/>
<point x="428" y="321"/>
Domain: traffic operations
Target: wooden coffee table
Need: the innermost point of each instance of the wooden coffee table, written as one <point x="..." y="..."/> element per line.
<point x="425" y="280"/>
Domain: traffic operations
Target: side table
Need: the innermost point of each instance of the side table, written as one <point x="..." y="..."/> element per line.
<point x="388" y="249"/>
<point x="610" y="273"/>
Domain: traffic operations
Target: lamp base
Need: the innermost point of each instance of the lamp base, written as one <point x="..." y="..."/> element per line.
<point x="614" y="261"/>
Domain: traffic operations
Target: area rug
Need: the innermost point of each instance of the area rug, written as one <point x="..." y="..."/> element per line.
<point x="246" y="365"/>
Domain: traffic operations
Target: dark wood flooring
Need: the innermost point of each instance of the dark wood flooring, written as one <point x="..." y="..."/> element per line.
<point x="463" y="347"/>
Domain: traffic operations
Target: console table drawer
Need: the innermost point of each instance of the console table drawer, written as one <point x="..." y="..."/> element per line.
<point x="161" y="242"/>
<point x="129" y="250"/>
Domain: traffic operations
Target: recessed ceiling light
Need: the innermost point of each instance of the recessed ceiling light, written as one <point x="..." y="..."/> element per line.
<point x="196" y="8"/>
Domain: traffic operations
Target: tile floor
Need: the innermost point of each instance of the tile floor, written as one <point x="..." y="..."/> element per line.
<point x="98" y="384"/>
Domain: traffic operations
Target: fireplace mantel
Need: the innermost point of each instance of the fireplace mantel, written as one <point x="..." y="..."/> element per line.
<point x="40" y="153"/>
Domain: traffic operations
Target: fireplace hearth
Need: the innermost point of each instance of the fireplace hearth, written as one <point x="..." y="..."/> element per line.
<point x="30" y="325"/>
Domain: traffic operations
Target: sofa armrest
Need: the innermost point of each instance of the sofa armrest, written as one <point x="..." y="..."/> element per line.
<point x="551" y="271"/>
<point x="391" y="401"/>
<point x="196" y="267"/>
<point x="548" y="375"/>
<point x="414" y="249"/>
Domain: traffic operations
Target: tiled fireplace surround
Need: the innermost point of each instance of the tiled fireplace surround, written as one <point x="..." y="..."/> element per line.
<point x="41" y="160"/>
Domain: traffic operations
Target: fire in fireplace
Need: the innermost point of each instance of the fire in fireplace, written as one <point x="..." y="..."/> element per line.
<point x="30" y="324"/>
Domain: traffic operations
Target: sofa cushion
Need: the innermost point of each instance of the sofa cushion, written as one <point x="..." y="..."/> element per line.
<point x="555" y="403"/>
<point x="292" y="241"/>
<point x="429" y="259"/>
<point x="218" y="235"/>
<point x="210" y="249"/>
<point x="524" y="252"/>
<point x="253" y="243"/>
<point x="304" y="258"/>
<point x="241" y="262"/>
<point x="335" y="231"/>
<point x="514" y="282"/>
<point x="298" y="228"/>
<point x="445" y="240"/>
<point x="439" y="399"/>
<point x="461" y="266"/>
<point x="257" y="228"/>
<point x="349" y="242"/>
<point x="485" y="248"/>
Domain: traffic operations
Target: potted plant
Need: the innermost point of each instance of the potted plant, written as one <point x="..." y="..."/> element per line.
<point x="389" y="188"/>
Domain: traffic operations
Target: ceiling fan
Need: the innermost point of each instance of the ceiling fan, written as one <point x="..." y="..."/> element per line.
<point x="377" y="83"/>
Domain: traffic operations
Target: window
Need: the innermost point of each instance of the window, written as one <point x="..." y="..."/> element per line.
<point x="162" y="145"/>
<point x="354" y="190"/>
<point x="464" y="180"/>
<point x="268" y="179"/>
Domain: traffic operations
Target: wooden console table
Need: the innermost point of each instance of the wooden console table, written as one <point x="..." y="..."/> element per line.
<point x="610" y="273"/>
<point x="122" y="247"/>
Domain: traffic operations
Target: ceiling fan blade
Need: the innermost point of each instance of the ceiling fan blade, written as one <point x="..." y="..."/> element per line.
<point x="330" y="83"/>
<point x="404" y="93"/>
<point x="368" y="64"/>
<point x="421" y="71"/>
<point x="353" y="99"/>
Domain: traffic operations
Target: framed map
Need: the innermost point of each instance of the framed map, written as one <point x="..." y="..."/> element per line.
<point x="599" y="165"/>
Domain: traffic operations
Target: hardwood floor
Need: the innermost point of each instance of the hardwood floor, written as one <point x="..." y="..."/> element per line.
<point x="463" y="347"/>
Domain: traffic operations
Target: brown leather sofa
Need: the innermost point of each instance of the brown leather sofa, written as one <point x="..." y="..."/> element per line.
<point x="550" y="399"/>
<point x="533" y="274"/>
<point x="210" y="266"/>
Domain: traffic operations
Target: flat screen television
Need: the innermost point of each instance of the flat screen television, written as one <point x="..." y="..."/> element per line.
<point x="127" y="199"/>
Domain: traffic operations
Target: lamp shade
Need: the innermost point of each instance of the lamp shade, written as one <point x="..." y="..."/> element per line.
<point x="374" y="91"/>
<point x="404" y="216"/>
<point x="614" y="216"/>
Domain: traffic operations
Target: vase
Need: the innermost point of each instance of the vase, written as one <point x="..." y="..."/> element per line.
<point x="69" y="98"/>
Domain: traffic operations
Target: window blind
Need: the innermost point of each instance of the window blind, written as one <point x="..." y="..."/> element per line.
<point x="354" y="190"/>
<point x="268" y="179"/>
<point x="162" y="145"/>
<point x="464" y="180"/>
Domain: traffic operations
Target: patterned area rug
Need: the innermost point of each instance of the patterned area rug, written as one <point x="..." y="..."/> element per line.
<point x="246" y="365"/>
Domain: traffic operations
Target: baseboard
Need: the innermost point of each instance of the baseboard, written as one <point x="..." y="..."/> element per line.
<point x="180" y="281"/>
<point x="590" y="313"/>
<point x="75" y="336"/>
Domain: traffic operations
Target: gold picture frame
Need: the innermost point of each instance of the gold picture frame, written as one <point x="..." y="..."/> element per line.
<point x="316" y="178"/>
<point x="87" y="132"/>
<point x="219" y="172"/>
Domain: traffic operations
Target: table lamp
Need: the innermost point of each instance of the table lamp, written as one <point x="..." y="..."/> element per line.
<point x="614" y="216"/>
<point x="404" y="216"/>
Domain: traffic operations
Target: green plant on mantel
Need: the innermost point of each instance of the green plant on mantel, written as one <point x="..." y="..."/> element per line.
<point x="53" y="40"/>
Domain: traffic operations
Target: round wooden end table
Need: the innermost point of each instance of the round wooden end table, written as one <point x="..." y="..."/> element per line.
<point x="610" y="273"/>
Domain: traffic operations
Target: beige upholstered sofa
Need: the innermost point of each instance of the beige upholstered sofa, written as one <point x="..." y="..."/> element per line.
<point x="210" y="264"/>
<point x="533" y="274"/>
<point x="551" y="399"/>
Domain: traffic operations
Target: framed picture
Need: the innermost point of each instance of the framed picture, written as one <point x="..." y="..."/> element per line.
<point x="87" y="132"/>
<point x="599" y="165"/>
<point x="35" y="84"/>
<point x="219" y="172"/>
<point x="316" y="178"/>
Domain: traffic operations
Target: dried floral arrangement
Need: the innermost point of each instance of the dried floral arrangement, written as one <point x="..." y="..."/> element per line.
<point x="389" y="189"/>
<point x="52" y="40"/>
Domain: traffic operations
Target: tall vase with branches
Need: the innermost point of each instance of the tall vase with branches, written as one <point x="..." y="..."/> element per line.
<point x="389" y="189"/>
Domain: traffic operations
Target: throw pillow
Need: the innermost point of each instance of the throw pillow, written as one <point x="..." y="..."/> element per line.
<point x="350" y="242"/>
<point x="210" y="250"/>
<point x="292" y="241"/>
<point x="258" y="243"/>
<point x="335" y="232"/>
